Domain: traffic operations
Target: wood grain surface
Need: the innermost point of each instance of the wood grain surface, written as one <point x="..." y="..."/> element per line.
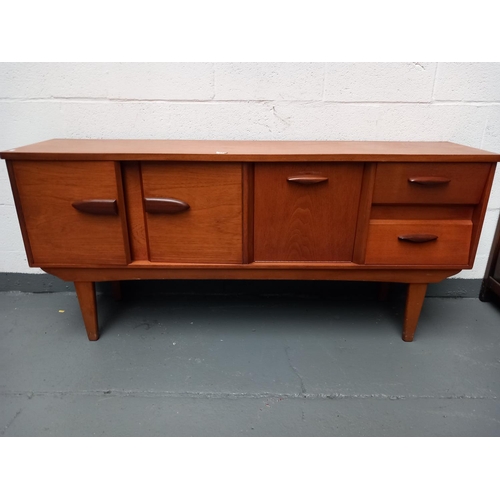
<point x="96" y="207"/>
<point x="60" y="234"/>
<point x="211" y="230"/>
<point x="414" y="302"/>
<point x="85" y="291"/>
<point x="248" y="151"/>
<point x="254" y="272"/>
<point x="134" y="200"/>
<point x="450" y="247"/>
<point x="365" y="204"/>
<point x="393" y="183"/>
<point x="315" y="222"/>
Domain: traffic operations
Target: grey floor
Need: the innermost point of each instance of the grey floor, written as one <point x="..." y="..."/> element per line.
<point x="247" y="366"/>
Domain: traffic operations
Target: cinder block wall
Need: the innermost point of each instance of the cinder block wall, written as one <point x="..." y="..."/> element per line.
<point x="457" y="102"/>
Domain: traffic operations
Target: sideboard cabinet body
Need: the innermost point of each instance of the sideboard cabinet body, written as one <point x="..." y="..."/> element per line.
<point x="94" y="211"/>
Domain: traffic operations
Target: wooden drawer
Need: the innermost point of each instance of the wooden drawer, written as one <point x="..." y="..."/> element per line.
<point x="73" y="212"/>
<point x="461" y="183"/>
<point x="193" y="211"/>
<point x="306" y="211"/>
<point x="397" y="242"/>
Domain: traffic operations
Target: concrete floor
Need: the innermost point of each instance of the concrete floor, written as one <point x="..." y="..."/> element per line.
<point x="247" y="366"/>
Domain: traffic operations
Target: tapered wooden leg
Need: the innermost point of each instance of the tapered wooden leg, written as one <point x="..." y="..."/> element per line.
<point x="116" y="290"/>
<point x="414" y="301"/>
<point x="85" y="291"/>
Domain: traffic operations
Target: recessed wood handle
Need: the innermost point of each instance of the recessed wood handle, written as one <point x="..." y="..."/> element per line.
<point x="429" y="181"/>
<point x="418" y="238"/>
<point x="96" y="207"/>
<point x="165" y="206"/>
<point x="307" y="179"/>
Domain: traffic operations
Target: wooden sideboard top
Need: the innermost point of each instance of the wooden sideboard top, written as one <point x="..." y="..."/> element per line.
<point x="250" y="151"/>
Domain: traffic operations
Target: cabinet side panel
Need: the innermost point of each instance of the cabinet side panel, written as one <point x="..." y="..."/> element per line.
<point x="479" y="214"/>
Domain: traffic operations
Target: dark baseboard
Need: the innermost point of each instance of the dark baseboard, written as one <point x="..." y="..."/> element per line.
<point x="33" y="283"/>
<point x="45" y="283"/>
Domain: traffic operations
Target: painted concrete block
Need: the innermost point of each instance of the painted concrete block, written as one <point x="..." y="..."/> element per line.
<point x="164" y="120"/>
<point x="494" y="201"/>
<point x="16" y="262"/>
<point x="379" y="82"/>
<point x="471" y="81"/>
<point x="491" y="137"/>
<point x="430" y="122"/>
<point x="11" y="240"/>
<point x="53" y="80"/>
<point x="269" y="81"/>
<point x="6" y="197"/>
<point x="27" y="122"/>
<point x="321" y="121"/>
<point x="166" y="81"/>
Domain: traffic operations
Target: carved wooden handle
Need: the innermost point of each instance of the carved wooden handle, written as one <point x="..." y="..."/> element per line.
<point x="307" y="179"/>
<point x="429" y="181"/>
<point x="417" y="238"/>
<point x="97" y="207"/>
<point x="164" y="206"/>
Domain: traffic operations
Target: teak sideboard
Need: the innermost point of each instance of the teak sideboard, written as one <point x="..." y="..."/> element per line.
<point x="111" y="210"/>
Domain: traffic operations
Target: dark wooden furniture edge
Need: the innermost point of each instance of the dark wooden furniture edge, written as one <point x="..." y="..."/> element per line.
<point x="243" y="272"/>
<point x="363" y="158"/>
<point x="247" y="151"/>
<point x="19" y="211"/>
<point x="364" y="212"/>
<point x="479" y="214"/>
<point x="490" y="285"/>
<point x="247" y="180"/>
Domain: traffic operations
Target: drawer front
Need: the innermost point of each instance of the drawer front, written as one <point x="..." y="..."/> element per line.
<point x="193" y="211"/>
<point x="306" y="211"/>
<point x="419" y="242"/>
<point x="411" y="183"/>
<point x="73" y="212"/>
